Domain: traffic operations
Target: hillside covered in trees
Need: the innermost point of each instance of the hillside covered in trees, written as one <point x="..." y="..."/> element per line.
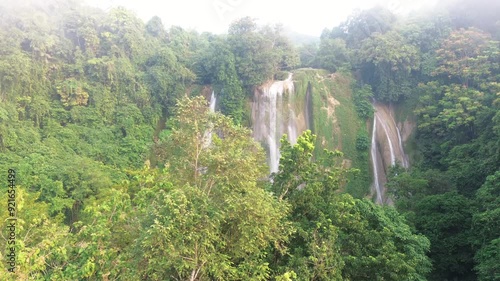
<point x="122" y="171"/>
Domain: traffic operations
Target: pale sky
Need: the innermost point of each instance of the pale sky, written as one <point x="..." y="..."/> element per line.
<point x="307" y="17"/>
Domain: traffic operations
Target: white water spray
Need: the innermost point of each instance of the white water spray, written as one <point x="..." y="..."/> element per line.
<point x="207" y="136"/>
<point x="274" y="153"/>
<point x="213" y="100"/>
<point x="386" y="132"/>
<point x="374" y="155"/>
<point x="404" y="157"/>
<point x="273" y="116"/>
<point x="292" y="128"/>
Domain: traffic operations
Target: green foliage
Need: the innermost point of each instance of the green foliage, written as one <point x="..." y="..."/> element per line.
<point x="362" y="142"/>
<point x="155" y="27"/>
<point x="307" y="54"/>
<point x="281" y="75"/>
<point x="426" y="30"/>
<point x="362" y="24"/>
<point x="486" y="226"/>
<point x="339" y="237"/>
<point x="442" y="215"/>
<point x="361" y="98"/>
<point x="388" y="243"/>
<point x="456" y="108"/>
<point x="85" y="93"/>
<point x="259" y="54"/>
<point x="487" y="258"/>
<point x="40" y="239"/>
<point x="468" y="55"/>
<point x="217" y="65"/>
<point x="196" y="223"/>
<point x="387" y="61"/>
<point x="167" y="77"/>
<point x="438" y="214"/>
<point x="103" y="232"/>
<point x="332" y="55"/>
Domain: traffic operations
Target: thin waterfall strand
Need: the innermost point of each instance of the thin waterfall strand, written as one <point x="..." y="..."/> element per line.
<point x="391" y="147"/>
<point x="207" y="136"/>
<point x="373" y="151"/>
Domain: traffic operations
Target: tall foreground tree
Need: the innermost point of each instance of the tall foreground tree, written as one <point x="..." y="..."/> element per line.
<point x="207" y="216"/>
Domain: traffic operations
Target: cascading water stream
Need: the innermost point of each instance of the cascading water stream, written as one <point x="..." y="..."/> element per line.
<point x="213" y="100"/>
<point x="404" y="159"/>
<point x="208" y="134"/>
<point x="273" y="116"/>
<point x="374" y="157"/>
<point x="386" y="148"/>
<point x="292" y="128"/>
<point x="292" y="122"/>
<point x="272" y="141"/>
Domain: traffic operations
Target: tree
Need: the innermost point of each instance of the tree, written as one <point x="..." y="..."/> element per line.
<point x="362" y="96"/>
<point x="433" y="207"/>
<point x="217" y="67"/>
<point x="288" y="56"/>
<point x="449" y="108"/>
<point x="387" y="61"/>
<point x="101" y="237"/>
<point x="259" y="53"/>
<point x="486" y="226"/>
<point x="339" y="237"/>
<point x="123" y="31"/>
<point x="197" y="222"/>
<point x="307" y="54"/>
<point x="468" y="55"/>
<point x="166" y="77"/>
<point x="332" y="55"/>
<point x="446" y="220"/>
<point x="40" y="244"/>
<point x="377" y="244"/>
<point x="155" y="27"/>
<point x="363" y="24"/>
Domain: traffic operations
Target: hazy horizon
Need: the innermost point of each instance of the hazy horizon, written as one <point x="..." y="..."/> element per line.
<point x="215" y="15"/>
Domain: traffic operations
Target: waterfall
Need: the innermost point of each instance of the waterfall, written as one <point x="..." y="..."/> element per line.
<point x="308" y="108"/>
<point x="207" y="136"/>
<point x="292" y="119"/>
<point x="386" y="147"/>
<point x="374" y="157"/>
<point x="292" y="127"/>
<point x="273" y="116"/>
<point x="213" y="100"/>
<point x="272" y="142"/>
<point x="386" y="132"/>
<point x="404" y="159"/>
